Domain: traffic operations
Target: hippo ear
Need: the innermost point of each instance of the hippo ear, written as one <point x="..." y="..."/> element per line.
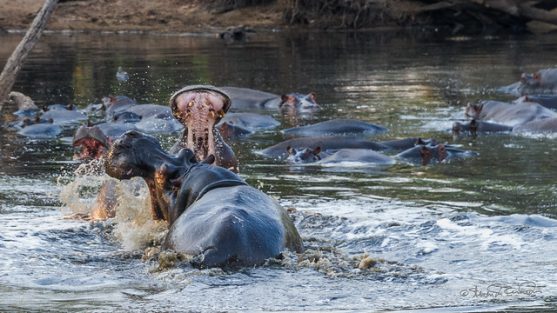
<point x="210" y="159"/>
<point x="420" y="142"/>
<point x="473" y="110"/>
<point x="291" y="151"/>
<point x="537" y="76"/>
<point x="317" y="150"/>
<point x="312" y="96"/>
<point x="167" y="171"/>
<point x="186" y="155"/>
<point x="287" y="100"/>
<point x="441" y="152"/>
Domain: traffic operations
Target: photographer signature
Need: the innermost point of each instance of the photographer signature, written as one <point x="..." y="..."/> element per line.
<point x="499" y="290"/>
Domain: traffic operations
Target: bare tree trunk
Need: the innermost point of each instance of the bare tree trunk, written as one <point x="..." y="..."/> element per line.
<point x="14" y="63"/>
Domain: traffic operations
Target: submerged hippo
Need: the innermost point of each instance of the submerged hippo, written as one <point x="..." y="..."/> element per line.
<point x="546" y="125"/>
<point x="211" y="211"/>
<point x="249" y="99"/>
<point x="25" y="105"/>
<point x="541" y="82"/>
<point x="199" y="108"/>
<point x="234" y="125"/>
<point x="335" y="127"/>
<point x="507" y="113"/>
<point x="115" y="104"/>
<point x="548" y="101"/>
<point x="430" y="154"/>
<point x="342" y="156"/>
<point x="63" y="115"/>
<point x="39" y="129"/>
<point x="475" y="127"/>
<point x="326" y="144"/>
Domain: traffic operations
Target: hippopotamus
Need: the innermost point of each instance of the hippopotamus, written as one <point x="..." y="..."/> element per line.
<point x="212" y="213"/>
<point x="25" y="105"/>
<point x="406" y="143"/>
<point x="234" y="125"/>
<point x="250" y="99"/>
<point x="475" y="127"/>
<point x="64" y="115"/>
<point x="116" y="104"/>
<point x="326" y="144"/>
<point x="508" y="114"/>
<point x="342" y="156"/>
<point x="93" y="142"/>
<point x="548" y="101"/>
<point x="235" y="33"/>
<point x="541" y="82"/>
<point x="334" y="128"/>
<point x="546" y="125"/>
<point x="39" y="129"/>
<point x="149" y="118"/>
<point x="429" y="154"/>
<point x="199" y="108"/>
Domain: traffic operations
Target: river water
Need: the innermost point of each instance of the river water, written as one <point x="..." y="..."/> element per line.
<point x="473" y="235"/>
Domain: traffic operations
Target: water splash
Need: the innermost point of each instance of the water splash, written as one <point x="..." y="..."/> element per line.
<point x="87" y="193"/>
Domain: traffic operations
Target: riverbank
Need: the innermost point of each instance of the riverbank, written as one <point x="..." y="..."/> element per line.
<point x="178" y="16"/>
<point x="136" y="15"/>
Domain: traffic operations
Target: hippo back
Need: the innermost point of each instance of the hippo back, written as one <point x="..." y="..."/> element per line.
<point x="245" y="98"/>
<point x="233" y="225"/>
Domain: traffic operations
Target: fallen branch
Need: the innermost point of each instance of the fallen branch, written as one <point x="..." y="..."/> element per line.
<point x="14" y="63"/>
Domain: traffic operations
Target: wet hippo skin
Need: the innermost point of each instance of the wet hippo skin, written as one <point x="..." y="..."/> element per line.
<point x="212" y="212"/>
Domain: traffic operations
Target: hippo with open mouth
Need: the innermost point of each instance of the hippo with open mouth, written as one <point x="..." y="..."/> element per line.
<point x="199" y="108"/>
<point x="212" y="212"/>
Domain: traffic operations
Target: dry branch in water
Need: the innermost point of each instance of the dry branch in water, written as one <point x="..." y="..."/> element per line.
<point x="14" y="63"/>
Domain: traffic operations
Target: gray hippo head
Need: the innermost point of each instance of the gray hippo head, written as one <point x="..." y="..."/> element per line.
<point x="174" y="181"/>
<point x="305" y="155"/>
<point x="426" y="154"/>
<point x="297" y="102"/>
<point x="473" y="111"/>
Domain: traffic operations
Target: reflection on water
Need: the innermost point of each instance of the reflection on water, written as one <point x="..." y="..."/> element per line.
<point x="434" y="231"/>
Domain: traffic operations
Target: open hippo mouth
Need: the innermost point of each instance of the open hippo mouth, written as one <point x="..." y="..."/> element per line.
<point x="199" y="108"/>
<point x="93" y="143"/>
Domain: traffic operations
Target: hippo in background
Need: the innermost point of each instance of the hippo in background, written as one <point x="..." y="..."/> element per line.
<point x="326" y="143"/>
<point x="548" y="101"/>
<point x="64" y="115"/>
<point x="235" y="125"/>
<point x="212" y="213"/>
<point x="25" y="105"/>
<point x="245" y="99"/>
<point x="331" y="144"/>
<point x="541" y="82"/>
<point x="342" y="157"/>
<point x="520" y="116"/>
<point x="334" y="128"/>
<point x="475" y="127"/>
<point x="425" y="154"/>
<point x="199" y="108"/>
<point x="39" y="129"/>
<point x="508" y="113"/>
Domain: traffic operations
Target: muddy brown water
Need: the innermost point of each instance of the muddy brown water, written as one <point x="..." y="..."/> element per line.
<point x="472" y="235"/>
